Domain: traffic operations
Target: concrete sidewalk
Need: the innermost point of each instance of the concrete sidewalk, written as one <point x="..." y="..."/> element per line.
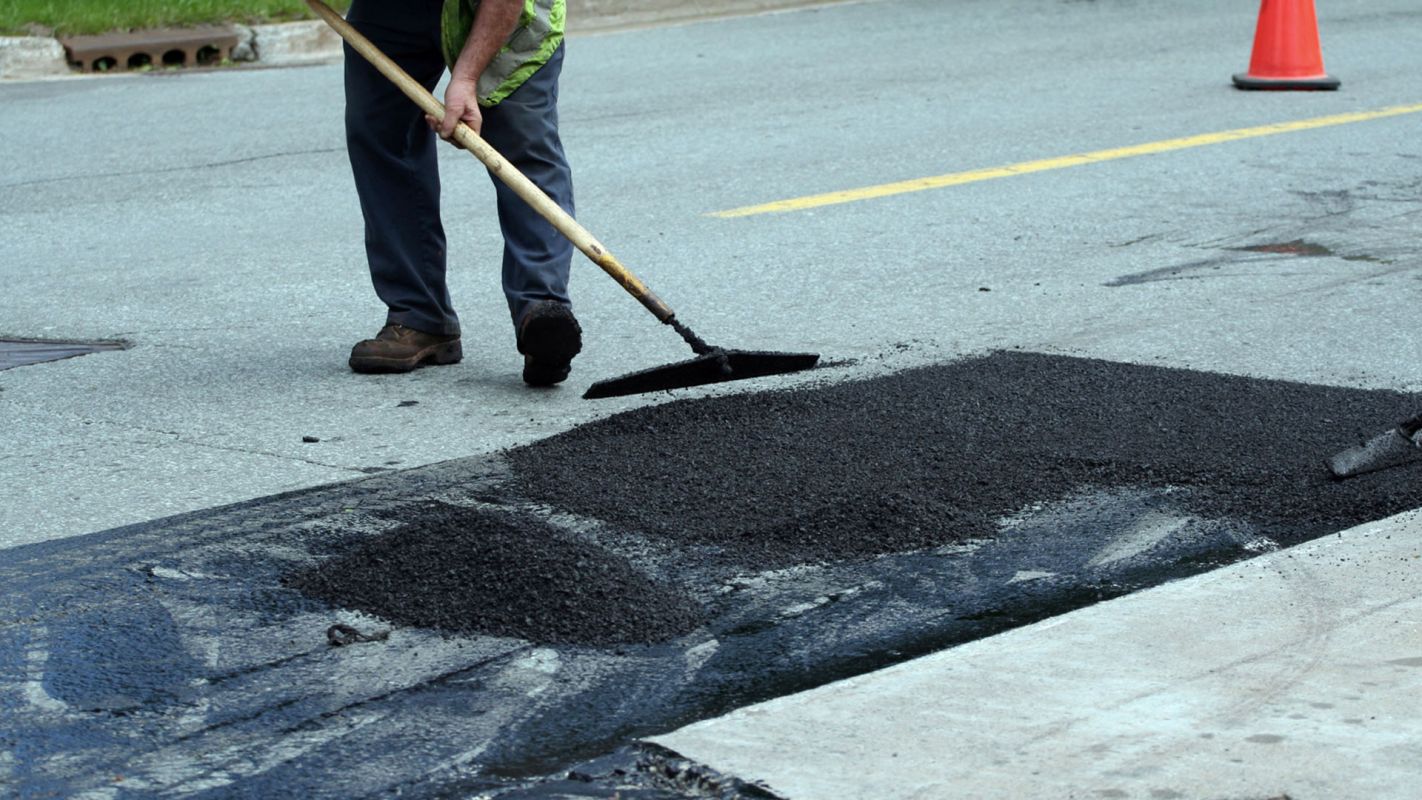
<point x="1294" y="674"/>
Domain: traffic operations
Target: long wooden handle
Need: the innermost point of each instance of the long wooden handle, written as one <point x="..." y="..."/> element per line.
<point x="522" y="186"/>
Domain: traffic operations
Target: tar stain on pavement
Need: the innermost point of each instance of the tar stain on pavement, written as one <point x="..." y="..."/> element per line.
<point x="461" y="570"/>
<point x="935" y="455"/>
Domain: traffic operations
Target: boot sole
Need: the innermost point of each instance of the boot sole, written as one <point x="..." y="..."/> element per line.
<point x="436" y="355"/>
<point x="550" y="341"/>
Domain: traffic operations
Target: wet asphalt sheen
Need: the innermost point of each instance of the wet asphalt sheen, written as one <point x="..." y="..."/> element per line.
<point x="532" y="613"/>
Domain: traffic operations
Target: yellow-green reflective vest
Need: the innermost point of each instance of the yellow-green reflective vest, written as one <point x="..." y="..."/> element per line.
<point x="539" y="32"/>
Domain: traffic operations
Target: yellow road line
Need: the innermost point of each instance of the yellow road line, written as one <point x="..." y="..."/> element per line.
<point x="1042" y="165"/>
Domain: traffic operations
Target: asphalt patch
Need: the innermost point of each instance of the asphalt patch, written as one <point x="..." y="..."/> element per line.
<point x="937" y="455"/>
<point x="828" y="474"/>
<point x="466" y="571"/>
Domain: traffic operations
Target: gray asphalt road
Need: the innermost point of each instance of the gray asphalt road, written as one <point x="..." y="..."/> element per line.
<point x="209" y="219"/>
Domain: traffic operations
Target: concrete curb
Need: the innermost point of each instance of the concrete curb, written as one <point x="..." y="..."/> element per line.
<point x="31" y="57"/>
<point x="1294" y="674"/>
<point x="313" y="42"/>
<point x="295" y="43"/>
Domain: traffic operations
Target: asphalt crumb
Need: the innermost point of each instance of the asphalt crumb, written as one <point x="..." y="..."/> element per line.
<point x="938" y="454"/>
<point x="463" y="570"/>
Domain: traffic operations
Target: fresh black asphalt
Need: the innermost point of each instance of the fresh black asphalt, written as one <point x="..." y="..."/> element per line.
<point x="470" y="571"/>
<point x="938" y="454"/>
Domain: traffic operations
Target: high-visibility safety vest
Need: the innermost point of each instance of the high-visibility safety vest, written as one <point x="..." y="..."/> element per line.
<point x="533" y="42"/>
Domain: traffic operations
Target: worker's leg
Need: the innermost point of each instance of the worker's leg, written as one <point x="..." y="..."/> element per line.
<point x="524" y="129"/>
<point x="392" y="153"/>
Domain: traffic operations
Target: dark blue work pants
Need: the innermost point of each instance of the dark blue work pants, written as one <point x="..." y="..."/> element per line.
<point x="392" y="153"/>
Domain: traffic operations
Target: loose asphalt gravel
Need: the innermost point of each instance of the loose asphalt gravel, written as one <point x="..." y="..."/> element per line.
<point x="938" y="454"/>
<point x="844" y="472"/>
<point x="462" y="570"/>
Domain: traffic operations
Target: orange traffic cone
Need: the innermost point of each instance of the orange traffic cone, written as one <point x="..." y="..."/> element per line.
<point x="1286" y="51"/>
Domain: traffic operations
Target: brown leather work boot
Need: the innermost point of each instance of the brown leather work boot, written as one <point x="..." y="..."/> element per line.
<point x="400" y="349"/>
<point x="548" y="336"/>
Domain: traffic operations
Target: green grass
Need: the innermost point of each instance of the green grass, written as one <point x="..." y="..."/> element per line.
<point x="77" y="17"/>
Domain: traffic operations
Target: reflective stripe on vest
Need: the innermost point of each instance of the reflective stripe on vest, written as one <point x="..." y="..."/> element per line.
<point x="539" y="32"/>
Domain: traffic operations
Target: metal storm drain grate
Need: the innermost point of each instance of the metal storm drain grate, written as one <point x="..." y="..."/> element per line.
<point x="22" y="352"/>
<point x="173" y="47"/>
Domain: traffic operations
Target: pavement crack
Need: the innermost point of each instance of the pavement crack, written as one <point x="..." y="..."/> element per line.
<point x="181" y="439"/>
<point x="1374" y="275"/>
<point x="165" y="170"/>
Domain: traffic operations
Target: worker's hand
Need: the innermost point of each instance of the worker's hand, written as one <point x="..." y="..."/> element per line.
<point x="461" y="104"/>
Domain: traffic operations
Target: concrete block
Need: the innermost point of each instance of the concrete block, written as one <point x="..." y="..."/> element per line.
<point x="246" y="47"/>
<point x="31" y="57"/>
<point x="310" y="42"/>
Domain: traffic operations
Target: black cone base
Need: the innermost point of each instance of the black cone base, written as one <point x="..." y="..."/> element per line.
<point x="1324" y="83"/>
<point x="703" y="370"/>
